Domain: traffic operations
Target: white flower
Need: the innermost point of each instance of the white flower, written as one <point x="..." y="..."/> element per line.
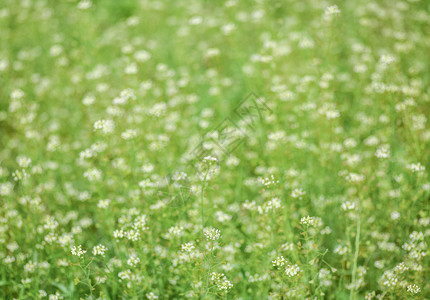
<point x="221" y="281"/>
<point x="85" y="4"/>
<point x="101" y="279"/>
<point x="311" y="221"/>
<point x="292" y="270"/>
<point x="383" y="151"/>
<point x="88" y="100"/>
<point x="77" y="250"/>
<point x="133" y="260"/>
<point x="332" y="10"/>
<point x="353" y="177"/>
<point x="151" y="296"/>
<point x="56" y="50"/>
<point x="188" y="247"/>
<point x="129" y="134"/>
<point x="210" y="160"/>
<point x="103" y="203"/>
<point x="270" y="181"/>
<point x="395" y="215"/>
<point x="99" y="250"/>
<point x="212" y="233"/>
<point x="270" y="206"/>
<point x="387" y="59"/>
<point x="279" y="261"/>
<point x="17" y="94"/>
<point x="298" y="193"/>
<point x="6" y="188"/>
<point x="287" y="246"/>
<point x="228" y="28"/>
<point x="414" y="289"/>
<point x="416" y="168"/>
<point x="341" y="250"/>
<point x="105" y="126"/>
<point x="131" y="69"/>
<point x="23" y="161"/>
<point x="348" y="205"/>
<point x="20" y="175"/>
<point x="142" y="55"/>
<point x="9" y="259"/>
<point x="42" y="293"/>
<point x="55" y="296"/>
<point x="93" y="174"/>
<point x="127" y="94"/>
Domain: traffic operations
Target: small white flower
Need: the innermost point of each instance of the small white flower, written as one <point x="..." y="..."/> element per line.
<point x="187" y="247"/>
<point x="221" y="281"/>
<point x="23" y="161"/>
<point x="212" y="233"/>
<point x="151" y="296"/>
<point x="77" y="250"/>
<point x="292" y="270"/>
<point x="332" y="10"/>
<point x="416" y="168"/>
<point x="210" y="160"/>
<point x="99" y="250"/>
<point x="93" y="174"/>
<point x="88" y="100"/>
<point x="348" y="205"/>
<point x="42" y="293"/>
<point x="17" y="94"/>
<point x="85" y="4"/>
<point x="131" y="69"/>
<point x="341" y="250"/>
<point x="383" y="151"/>
<point x="6" y="188"/>
<point x="298" y="193"/>
<point x="101" y="279"/>
<point x="311" y="221"/>
<point x="105" y="126"/>
<point x="133" y="260"/>
<point x="270" y="181"/>
<point x="142" y="56"/>
<point x="129" y="134"/>
<point x="414" y="289"/>
<point x="395" y="215"/>
<point x="387" y="59"/>
<point x="279" y="261"/>
<point x="354" y="177"/>
<point x="103" y="203"/>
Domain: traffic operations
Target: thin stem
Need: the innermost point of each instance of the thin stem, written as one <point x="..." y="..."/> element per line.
<point x="202" y="197"/>
<point x="354" y="270"/>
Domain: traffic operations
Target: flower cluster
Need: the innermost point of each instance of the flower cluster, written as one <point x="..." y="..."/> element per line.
<point x="221" y="281"/>
<point x="77" y="250"/>
<point x="99" y="250"/>
<point x="212" y="234"/>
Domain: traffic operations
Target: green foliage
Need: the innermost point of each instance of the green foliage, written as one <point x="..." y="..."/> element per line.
<point x="214" y="149"/>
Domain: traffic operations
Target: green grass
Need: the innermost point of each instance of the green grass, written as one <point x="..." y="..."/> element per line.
<point x="110" y="116"/>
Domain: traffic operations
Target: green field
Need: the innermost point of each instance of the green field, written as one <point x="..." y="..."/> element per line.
<point x="216" y="149"/>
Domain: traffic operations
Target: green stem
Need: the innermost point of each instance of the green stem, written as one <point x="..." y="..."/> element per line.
<point x="354" y="270"/>
<point x="202" y="197"/>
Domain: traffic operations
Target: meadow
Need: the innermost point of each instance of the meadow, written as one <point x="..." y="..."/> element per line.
<point x="224" y="149"/>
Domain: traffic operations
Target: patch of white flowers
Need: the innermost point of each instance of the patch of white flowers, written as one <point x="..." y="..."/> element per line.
<point x="413" y="289"/>
<point x="416" y="168"/>
<point x="212" y="234"/>
<point x="104" y="126"/>
<point x="77" y="251"/>
<point x="298" y="193"/>
<point x="311" y="221"/>
<point x="99" y="250"/>
<point x="289" y="269"/>
<point x="221" y="281"/>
